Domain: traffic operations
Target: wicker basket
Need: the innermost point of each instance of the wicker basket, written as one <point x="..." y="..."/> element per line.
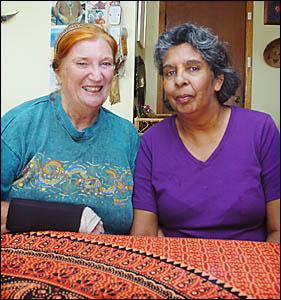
<point x="142" y="124"/>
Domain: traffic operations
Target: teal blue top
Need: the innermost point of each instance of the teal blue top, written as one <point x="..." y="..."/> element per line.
<point x="45" y="157"/>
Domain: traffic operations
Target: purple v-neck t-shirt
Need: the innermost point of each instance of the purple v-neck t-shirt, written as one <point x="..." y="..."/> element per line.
<point x="222" y="198"/>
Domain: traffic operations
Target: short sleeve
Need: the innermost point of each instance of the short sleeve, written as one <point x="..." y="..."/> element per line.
<point x="270" y="160"/>
<point x="134" y="148"/>
<point x="144" y="194"/>
<point x="9" y="168"/>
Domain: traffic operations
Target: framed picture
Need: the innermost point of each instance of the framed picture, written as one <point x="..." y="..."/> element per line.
<point x="272" y="12"/>
<point x="141" y="11"/>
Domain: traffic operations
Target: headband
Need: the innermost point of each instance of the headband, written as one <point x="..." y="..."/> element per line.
<point x="72" y="27"/>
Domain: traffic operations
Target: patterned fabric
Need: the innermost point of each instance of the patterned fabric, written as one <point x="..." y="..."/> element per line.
<point x="44" y="157"/>
<point x="67" y="265"/>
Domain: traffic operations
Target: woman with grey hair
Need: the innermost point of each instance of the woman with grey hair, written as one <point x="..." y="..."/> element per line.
<point x="211" y="170"/>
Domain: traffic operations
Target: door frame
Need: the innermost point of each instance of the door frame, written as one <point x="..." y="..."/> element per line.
<point x="248" y="55"/>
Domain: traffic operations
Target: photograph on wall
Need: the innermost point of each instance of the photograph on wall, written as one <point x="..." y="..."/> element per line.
<point x="53" y="83"/>
<point x="272" y="12"/>
<point x="97" y="12"/>
<point x="55" y="31"/>
<point x="66" y="12"/>
<point x="97" y="16"/>
<point x="98" y="4"/>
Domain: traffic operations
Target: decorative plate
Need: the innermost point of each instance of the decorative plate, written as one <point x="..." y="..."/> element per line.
<point x="271" y="53"/>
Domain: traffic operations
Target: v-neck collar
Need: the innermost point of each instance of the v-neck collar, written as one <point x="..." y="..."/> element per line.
<point x="65" y="121"/>
<point x="184" y="150"/>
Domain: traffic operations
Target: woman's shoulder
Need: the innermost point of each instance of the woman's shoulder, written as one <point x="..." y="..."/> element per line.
<point x="250" y="122"/>
<point x="23" y="112"/>
<point x="246" y="113"/>
<point x="252" y="118"/>
<point x="117" y="120"/>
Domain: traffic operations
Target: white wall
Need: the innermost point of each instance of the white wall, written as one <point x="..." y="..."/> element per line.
<point x="25" y="55"/>
<point x="24" y="52"/>
<point x="266" y="79"/>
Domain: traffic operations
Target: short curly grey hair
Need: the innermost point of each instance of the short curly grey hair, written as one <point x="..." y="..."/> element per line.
<point x="213" y="51"/>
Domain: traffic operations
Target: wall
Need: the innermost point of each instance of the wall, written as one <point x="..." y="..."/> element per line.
<point x="265" y="79"/>
<point x="25" y="54"/>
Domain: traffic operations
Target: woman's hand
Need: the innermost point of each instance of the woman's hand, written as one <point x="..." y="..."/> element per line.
<point x="99" y="228"/>
<point x="4" y="215"/>
<point x="90" y="222"/>
<point x="160" y="232"/>
<point x="273" y="221"/>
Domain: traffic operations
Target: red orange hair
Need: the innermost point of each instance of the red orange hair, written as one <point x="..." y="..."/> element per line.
<point x="75" y="33"/>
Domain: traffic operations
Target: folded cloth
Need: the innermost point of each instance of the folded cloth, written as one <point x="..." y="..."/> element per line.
<point x="35" y="215"/>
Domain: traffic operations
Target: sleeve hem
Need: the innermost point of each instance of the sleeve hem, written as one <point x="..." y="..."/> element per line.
<point x="150" y="209"/>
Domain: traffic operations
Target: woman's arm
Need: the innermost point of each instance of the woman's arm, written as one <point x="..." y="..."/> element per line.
<point x="21" y="215"/>
<point x="273" y="221"/>
<point x="145" y="223"/>
<point x="4" y="214"/>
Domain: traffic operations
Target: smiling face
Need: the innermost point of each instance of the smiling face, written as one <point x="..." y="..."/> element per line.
<point x="188" y="81"/>
<point x="86" y="74"/>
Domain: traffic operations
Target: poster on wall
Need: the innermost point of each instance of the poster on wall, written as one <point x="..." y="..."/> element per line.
<point x="64" y="13"/>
